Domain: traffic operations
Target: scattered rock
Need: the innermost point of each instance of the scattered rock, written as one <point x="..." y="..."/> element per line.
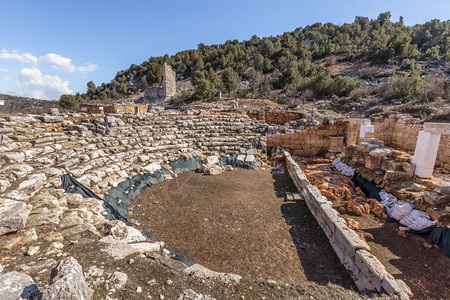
<point x="215" y="170"/>
<point x="20" y="238"/>
<point x="68" y="282"/>
<point x="14" y="285"/>
<point x="118" y="279"/>
<point x="13" y="215"/>
<point x="418" y="187"/>
<point x="192" y="295"/>
<point x="205" y="273"/>
<point x="32" y="250"/>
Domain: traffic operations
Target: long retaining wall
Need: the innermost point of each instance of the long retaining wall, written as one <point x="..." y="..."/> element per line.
<point x="367" y="271"/>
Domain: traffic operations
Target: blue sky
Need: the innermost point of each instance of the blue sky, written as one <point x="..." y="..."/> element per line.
<point x="52" y="47"/>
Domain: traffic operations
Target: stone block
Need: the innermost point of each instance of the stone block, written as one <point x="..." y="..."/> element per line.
<point x="28" y="187"/>
<point x="13" y="215"/>
<point x="349" y="240"/>
<point x="14" y="285"/>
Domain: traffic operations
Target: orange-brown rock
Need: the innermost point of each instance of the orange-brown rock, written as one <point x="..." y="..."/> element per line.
<point x="377" y="208"/>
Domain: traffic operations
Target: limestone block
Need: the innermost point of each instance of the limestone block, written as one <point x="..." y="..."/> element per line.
<point x="13" y="157"/>
<point x="372" y="268"/>
<point x="13" y="215"/>
<point x="4" y="184"/>
<point x="440" y="128"/>
<point x="211" y="160"/>
<point x="250" y="158"/>
<point x="20" y="238"/>
<point x="373" y="162"/>
<point x="395" y="286"/>
<point x="349" y="240"/>
<point x="68" y="282"/>
<point x="14" y="285"/>
<point x="152" y="168"/>
<point x="118" y="280"/>
<point x="348" y="151"/>
<point x="380" y="152"/>
<point x="241" y="157"/>
<point x="22" y="119"/>
<point x="28" y="187"/>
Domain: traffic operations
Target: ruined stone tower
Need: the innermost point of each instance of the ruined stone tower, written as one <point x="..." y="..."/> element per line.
<point x="169" y="82"/>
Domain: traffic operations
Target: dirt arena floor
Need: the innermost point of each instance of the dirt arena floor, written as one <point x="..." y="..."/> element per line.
<point x="239" y="222"/>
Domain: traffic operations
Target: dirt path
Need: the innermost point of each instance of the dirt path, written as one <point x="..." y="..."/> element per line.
<point x="238" y="222"/>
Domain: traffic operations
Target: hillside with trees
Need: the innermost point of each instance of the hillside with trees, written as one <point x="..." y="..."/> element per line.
<point x="290" y="64"/>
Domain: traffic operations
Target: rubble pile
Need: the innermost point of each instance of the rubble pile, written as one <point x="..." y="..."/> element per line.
<point x="393" y="171"/>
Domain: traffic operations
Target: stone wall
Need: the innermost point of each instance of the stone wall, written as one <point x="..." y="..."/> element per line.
<point x="281" y="117"/>
<point x="169" y="82"/>
<point x="313" y="141"/>
<point x="401" y="131"/>
<point x="367" y="271"/>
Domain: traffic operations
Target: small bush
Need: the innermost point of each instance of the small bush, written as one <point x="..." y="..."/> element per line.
<point x="368" y="72"/>
<point x="343" y="85"/>
<point x="402" y="87"/>
<point x="358" y="94"/>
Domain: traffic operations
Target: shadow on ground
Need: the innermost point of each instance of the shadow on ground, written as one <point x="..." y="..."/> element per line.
<point x="425" y="271"/>
<point x="319" y="262"/>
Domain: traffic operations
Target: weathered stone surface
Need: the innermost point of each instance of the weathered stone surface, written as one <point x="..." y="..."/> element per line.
<point x="4" y="184"/>
<point x="152" y="168"/>
<point x="203" y="272"/>
<point x="122" y="250"/>
<point x="20" y="238"/>
<point x="13" y="215"/>
<point x="123" y="233"/>
<point x="252" y="152"/>
<point x="191" y="295"/>
<point x="14" y="285"/>
<point x="118" y="280"/>
<point x="215" y="170"/>
<point x="28" y="187"/>
<point x="68" y="282"/>
<point x="22" y="119"/>
<point x="51" y="119"/>
<point x="211" y="160"/>
<point x="250" y="158"/>
<point x="13" y="157"/>
<point x="380" y="152"/>
<point x="445" y="190"/>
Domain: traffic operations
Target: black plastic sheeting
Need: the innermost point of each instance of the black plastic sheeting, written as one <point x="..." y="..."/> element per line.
<point x="120" y="196"/>
<point x="71" y="185"/>
<point x="436" y="235"/>
<point x="256" y="144"/>
<point x="369" y="188"/>
<point x="185" y="165"/>
<point x="231" y="160"/>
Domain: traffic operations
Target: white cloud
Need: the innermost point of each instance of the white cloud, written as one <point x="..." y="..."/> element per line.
<point x="21" y="57"/>
<point x="58" y="62"/>
<point x="33" y="84"/>
<point x="4" y="70"/>
<point x="87" y="67"/>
